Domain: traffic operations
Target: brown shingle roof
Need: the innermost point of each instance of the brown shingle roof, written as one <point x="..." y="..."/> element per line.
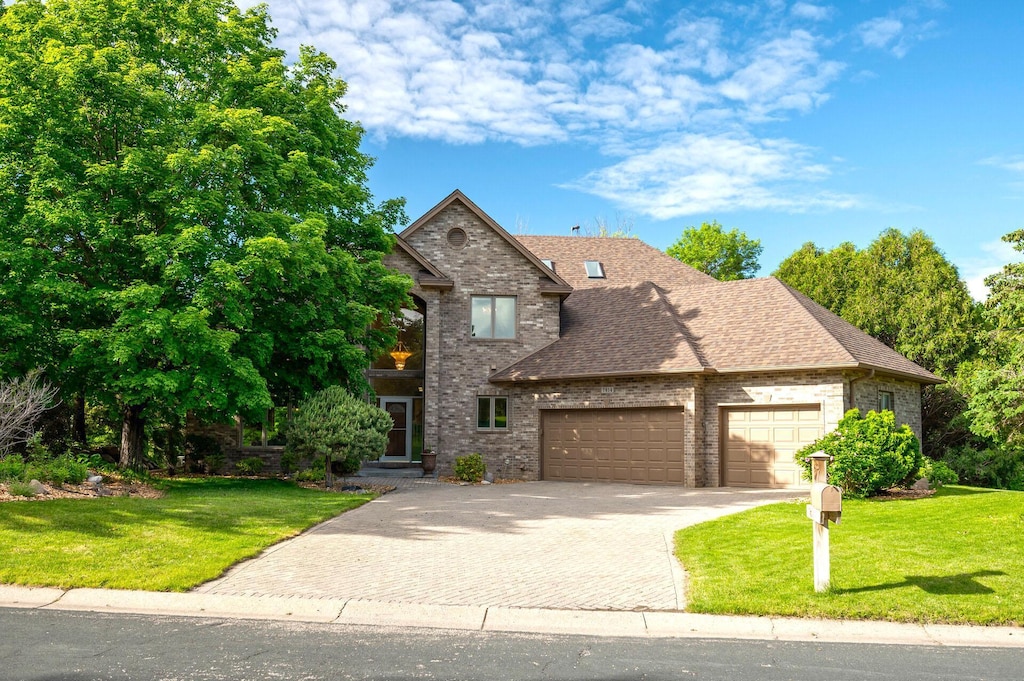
<point x="681" y="323"/>
<point x="626" y="261"/>
<point x="614" y="331"/>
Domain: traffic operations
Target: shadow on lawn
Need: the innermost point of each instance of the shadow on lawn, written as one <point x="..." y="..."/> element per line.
<point x="964" y="584"/>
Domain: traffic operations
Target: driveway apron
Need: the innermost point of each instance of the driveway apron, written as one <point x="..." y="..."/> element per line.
<point x="538" y="545"/>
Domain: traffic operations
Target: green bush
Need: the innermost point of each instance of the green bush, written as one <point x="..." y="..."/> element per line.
<point x="469" y="468"/>
<point x="869" y="454"/>
<point x="314" y="474"/>
<point x="938" y="474"/>
<point x="252" y="465"/>
<point x="338" y="428"/>
<point x="1001" y="467"/>
<point x="12" y="467"/>
<point x="289" y="462"/>
<point x="20" y="489"/>
<point x="63" y="470"/>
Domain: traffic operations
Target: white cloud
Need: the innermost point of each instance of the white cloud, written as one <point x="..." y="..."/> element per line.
<point x="899" y="30"/>
<point x="677" y="100"/>
<point x="805" y="10"/>
<point x="974" y="270"/>
<point x="701" y="174"/>
<point x="1014" y="162"/>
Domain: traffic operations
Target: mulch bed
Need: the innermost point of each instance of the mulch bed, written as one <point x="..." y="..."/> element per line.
<point x="895" y="494"/>
<point x="108" y="488"/>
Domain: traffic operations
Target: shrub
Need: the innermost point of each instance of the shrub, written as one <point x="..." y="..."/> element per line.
<point x="338" y="427"/>
<point x="63" y="470"/>
<point x="869" y="454"/>
<point x="314" y="474"/>
<point x="289" y="462"/>
<point x="469" y="468"/>
<point x="12" y="467"/>
<point x="1001" y="467"/>
<point x="252" y="465"/>
<point x="938" y="473"/>
<point x="20" y="489"/>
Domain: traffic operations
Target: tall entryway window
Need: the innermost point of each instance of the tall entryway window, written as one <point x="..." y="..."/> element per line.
<point x="397" y="378"/>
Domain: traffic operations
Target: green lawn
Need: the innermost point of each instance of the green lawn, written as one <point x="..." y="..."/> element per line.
<point x="199" y="529"/>
<point x="955" y="557"/>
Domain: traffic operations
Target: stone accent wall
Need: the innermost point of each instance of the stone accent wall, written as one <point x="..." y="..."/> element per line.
<point x="226" y="436"/>
<point x="486" y="264"/>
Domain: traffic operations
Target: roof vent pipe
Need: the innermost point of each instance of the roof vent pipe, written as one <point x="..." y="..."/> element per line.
<point x="575" y="230"/>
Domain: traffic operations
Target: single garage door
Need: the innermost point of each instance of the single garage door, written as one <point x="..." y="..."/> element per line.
<point x="760" y="443"/>
<point x="613" y="445"/>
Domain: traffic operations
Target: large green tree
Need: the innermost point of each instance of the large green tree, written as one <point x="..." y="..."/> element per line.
<point x="902" y="290"/>
<point x="184" y="219"/>
<point x="723" y="255"/>
<point x="997" y="386"/>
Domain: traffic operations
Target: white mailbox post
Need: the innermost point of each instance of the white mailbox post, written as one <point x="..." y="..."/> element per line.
<point x="826" y="506"/>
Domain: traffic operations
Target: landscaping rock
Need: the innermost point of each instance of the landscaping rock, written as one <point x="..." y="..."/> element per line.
<point x="38" y="487"/>
<point x="922" y="484"/>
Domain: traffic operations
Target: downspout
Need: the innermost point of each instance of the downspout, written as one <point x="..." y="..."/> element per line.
<point x="870" y="374"/>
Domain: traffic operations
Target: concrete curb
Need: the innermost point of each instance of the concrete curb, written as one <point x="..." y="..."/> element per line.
<point x="505" y="619"/>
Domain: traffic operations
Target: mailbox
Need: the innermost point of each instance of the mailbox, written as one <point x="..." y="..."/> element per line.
<point x="825" y="497"/>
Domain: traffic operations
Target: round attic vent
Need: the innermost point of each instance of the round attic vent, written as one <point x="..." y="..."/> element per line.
<point x="457" y="237"/>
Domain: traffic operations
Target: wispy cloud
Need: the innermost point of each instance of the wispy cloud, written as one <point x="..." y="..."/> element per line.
<point x="974" y="271"/>
<point x="641" y="88"/>
<point x="900" y="29"/>
<point x="1013" y="162"/>
<point x="701" y="174"/>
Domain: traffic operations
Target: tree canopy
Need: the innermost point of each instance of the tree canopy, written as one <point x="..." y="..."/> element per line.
<point x="723" y="255"/>
<point x="900" y="289"/>
<point x="185" y="224"/>
<point x="996" y="406"/>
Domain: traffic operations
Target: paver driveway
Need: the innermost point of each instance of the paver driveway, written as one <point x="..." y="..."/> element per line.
<point x="538" y="544"/>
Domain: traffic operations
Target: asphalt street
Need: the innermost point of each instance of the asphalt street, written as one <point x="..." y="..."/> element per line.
<point x="39" y="645"/>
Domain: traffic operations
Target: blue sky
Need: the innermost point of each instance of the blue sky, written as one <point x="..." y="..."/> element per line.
<point x="792" y="121"/>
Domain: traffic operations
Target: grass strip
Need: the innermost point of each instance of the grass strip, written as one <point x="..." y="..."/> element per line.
<point x="955" y="557"/>
<point x="199" y="529"/>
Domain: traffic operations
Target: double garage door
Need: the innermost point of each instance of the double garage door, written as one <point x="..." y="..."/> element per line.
<point x="613" y="445"/>
<point x="646" y="445"/>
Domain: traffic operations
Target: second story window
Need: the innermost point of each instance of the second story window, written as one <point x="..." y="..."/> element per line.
<point x="886" y="401"/>
<point x="493" y="317"/>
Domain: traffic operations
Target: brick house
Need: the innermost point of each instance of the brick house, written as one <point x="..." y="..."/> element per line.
<point x="586" y="359"/>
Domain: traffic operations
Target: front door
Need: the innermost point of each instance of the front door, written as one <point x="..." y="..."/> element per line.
<point x="400" y="437"/>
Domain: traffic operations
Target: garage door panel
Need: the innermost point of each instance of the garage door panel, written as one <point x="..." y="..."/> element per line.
<point x="762" y="442"/>
<point x="638" y="445"/>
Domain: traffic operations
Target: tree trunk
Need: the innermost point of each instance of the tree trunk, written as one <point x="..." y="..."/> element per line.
<point x="78" y="419"/>
<point x="133" y="428"/>
<point x="328" y="473"/>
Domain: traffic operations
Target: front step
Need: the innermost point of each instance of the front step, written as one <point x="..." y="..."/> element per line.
<point x="376" y="469"/>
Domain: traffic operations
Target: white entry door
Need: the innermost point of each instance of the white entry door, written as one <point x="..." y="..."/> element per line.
<point x="400" y="437"/>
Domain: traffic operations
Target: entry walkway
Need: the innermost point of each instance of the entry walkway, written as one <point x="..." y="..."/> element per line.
<point x="567" y="546"/>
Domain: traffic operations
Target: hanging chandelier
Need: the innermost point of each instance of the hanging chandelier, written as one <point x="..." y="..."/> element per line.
<point x="400" y="355"/>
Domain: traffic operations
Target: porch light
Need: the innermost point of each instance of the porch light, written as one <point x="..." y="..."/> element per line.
<point x="400" y="355"/>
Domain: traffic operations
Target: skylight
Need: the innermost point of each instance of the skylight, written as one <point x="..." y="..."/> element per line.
<point x="594" y="269"/>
